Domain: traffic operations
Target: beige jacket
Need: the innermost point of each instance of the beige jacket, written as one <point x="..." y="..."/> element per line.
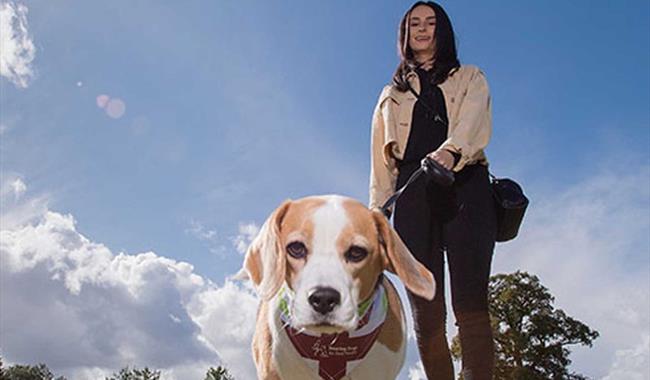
<point x="467" y="99"/>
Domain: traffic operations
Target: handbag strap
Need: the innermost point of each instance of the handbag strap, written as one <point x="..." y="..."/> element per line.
<point x="436" y="114"/>
<point x="420" y="99"/>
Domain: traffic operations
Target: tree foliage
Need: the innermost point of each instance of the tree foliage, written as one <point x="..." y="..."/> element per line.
<point x="531" y="336"/>
<point x="41" y="372"/>
<point x="27" y="372"/>
<point x="219" y="373"/>
<point x="135" y="374"/>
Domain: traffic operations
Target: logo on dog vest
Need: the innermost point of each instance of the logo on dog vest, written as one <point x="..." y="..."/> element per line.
<point x="334" y="355"/>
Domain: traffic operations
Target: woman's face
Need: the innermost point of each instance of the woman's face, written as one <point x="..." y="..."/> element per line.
<point x="422" y="25"/>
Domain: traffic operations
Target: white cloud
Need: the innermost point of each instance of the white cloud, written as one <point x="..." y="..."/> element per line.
<point x="200" y="232"/>
<point x="210" y="239"/>
<point x="416" y="372"/>
<point x="247" y="232"/>
<point x="109" y="310"/>
<point x="85" y="311"/>
<point x="589" y="245"/>
<point x="227" y="317"/>
<point x="632" y="364"/>
<point x="193" y="370"/>
<point x="17" y="50"/>
<point x="15" y="210"/>
<point x="13" y="187"/>
<point x="19" y="188"/>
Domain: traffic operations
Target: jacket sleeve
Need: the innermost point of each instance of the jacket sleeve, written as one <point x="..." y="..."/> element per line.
<point x="473" y="127"/>
<point x="383" y="172"/>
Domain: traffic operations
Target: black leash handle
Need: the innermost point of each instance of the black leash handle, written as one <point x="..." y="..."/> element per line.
<point x="433" y="169"/>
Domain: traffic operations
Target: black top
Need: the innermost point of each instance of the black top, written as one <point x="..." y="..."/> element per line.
<point x="429" y="128"/>
<point x="429" y="123"/>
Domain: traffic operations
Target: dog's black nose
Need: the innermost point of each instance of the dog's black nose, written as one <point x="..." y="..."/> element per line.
<point x="324" y="300"/>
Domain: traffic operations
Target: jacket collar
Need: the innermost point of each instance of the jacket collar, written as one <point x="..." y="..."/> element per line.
<point x="414" y="80"/>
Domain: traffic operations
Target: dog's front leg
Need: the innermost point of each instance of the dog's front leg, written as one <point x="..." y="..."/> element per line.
<point x="262" y="346"/>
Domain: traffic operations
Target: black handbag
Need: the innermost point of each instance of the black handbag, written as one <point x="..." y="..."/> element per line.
<point x="510" y="203"/>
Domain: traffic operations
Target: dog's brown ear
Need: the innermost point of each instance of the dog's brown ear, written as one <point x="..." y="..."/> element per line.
<point x="265" y="262"/>
<point x="399" y="260"/>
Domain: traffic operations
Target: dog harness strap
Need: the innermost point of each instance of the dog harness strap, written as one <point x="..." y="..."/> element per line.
<point x="335" y="355"/>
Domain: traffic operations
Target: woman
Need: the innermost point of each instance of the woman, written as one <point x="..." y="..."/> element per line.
<point x="438" y="108"/>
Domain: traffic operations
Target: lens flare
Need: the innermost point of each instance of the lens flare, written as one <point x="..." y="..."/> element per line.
<point x="102" y="100"/>
<point x="115" y="108"/>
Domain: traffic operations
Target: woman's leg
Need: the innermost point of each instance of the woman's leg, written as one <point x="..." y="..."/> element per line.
<point x="469" y="238"/>
<point x="421" y="234"/>
<point x="429" y="319"/>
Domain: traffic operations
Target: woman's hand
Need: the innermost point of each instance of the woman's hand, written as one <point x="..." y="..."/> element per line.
<point x="443" y="157"/>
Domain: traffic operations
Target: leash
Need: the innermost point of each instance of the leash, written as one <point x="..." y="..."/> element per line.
<point x="393" y="198"/>
<point x="433" y="169"/>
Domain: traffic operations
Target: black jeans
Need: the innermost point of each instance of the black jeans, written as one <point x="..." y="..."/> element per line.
<point x="461" y="222"/>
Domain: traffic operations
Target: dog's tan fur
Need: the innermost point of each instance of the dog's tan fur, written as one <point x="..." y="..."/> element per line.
<point x="269" y="267"/>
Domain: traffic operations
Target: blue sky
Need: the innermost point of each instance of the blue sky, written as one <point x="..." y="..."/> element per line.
<point x="232" y="108"/>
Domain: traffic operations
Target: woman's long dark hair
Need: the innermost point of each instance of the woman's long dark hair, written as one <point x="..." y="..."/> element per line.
<point x="445" y="56"/>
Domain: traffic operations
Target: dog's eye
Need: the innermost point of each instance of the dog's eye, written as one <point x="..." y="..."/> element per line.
<point x="297" y="250"/>
<point x="356" y="254"/>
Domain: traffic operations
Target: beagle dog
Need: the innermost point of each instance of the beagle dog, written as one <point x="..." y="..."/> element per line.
<point x="327" y="312"/>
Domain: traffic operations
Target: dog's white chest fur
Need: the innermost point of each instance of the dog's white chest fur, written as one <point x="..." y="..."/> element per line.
<point x="380" y="363"/>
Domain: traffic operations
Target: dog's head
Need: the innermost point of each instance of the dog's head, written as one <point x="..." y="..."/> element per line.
<point x="330" y="251"/>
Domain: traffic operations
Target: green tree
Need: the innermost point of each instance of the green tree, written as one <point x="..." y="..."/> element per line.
<point x="135" y="374"/>
<point x="531" y="336"/>
<point x="219" y="373"/>
<point x="27" y="372"/>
